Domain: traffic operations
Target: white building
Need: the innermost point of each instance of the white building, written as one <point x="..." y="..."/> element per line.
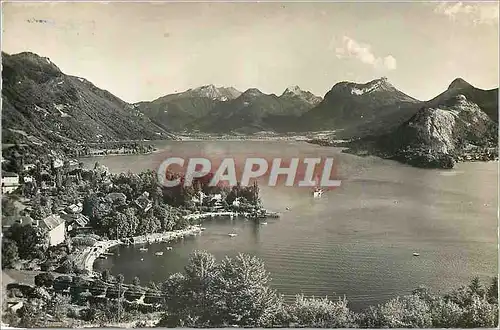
<point x="27" y="179"/>
<point x="199" y="199"/>
<point x="236" y="202"/>
<point x="216" y="198"/>
<point x="28" y="167"/>
<point x="57" y="163"/>
<point x="10" y="182"/>
<point x="56" y="228"/>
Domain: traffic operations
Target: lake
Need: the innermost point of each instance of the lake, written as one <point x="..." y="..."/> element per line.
<point x="357" y="240"/>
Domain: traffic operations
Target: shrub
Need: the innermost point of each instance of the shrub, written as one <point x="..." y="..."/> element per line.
<point x="44" y="279"/>
<point x="320" y="313"/>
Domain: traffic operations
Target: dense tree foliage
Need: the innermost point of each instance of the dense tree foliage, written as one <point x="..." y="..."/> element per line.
<point x="236" y="292"/>
<point x="29" y="240"/>
<point x="44" y="279"/>
<point x="8" y="207"/>
<point x="10" y="253"/>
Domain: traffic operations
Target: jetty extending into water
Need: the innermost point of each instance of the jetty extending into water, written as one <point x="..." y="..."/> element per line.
<point x="163" y="237"/>
<point x="260" y="215"/>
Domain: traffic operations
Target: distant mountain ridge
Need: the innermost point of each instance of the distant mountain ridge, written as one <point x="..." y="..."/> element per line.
<point x="176" y="111"/>
<point x="225" y="109"/>
<point x="349" y="105"/>
<point x="42" y="104"/>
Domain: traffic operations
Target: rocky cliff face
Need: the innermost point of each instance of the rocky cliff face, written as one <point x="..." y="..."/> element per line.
<point x="439" y="136"/>
<point x="446" y="128"/>
<point x="487" y="100"/>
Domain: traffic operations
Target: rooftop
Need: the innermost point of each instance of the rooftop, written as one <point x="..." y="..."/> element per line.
<point x="9" y="174"/>
<point x="52" y="221"/>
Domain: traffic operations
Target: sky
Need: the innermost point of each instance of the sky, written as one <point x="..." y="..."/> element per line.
<point x="141" y="51"/>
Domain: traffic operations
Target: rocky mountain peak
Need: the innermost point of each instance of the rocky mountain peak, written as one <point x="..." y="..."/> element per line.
<point x="252" y="92"/>
<point x="213" y="92"/>
<point x="459" y="83"/>
<point x="293" y="90"/>
<point x="376" y="85"/>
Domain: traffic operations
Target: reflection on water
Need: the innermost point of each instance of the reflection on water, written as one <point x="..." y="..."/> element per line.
<point x="358" y="240"/>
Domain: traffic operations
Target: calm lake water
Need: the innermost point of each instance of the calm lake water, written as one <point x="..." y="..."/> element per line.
<point x="356" y="241"/>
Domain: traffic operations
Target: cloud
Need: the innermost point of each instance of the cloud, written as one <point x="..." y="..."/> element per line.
<point x="475" y="13"/>
<point x="362" y="52"/>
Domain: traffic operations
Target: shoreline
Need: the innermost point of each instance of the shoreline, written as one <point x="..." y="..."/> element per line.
<point x="85" y="259"/>
<point x="118" y="154"/>
<point x="231" y="214"/>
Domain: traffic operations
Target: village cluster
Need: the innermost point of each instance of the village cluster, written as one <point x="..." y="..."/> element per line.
<point x="59" y="216"/>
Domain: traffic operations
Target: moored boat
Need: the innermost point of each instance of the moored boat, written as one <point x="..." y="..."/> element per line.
<point x="318" y="192"/>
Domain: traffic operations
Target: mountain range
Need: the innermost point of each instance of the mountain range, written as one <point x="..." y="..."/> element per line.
<point x="221" y="110"/>
<point x="41" y="103"/>
<point x="352" y="110"/>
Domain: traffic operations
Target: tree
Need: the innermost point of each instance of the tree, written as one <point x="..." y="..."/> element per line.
<point x="44" y="279"/>
<point x="174" y="290"/>
<point x="400" y="312"/>
<point x="39" y="212"/>
<point x="90" y="206"/>
<point x="149" y="224"/>
<point x="32" y="314"/>
<point x="78" y="287"/>
<point x="241" y="288"/>
<point x="8" y="207"/>
<point x="131" y="222"/>
<point x="446" y="314"/>
<point x="106" y="275"/>
<point x="492" y="293"/>
<point x="116" y="225"/>
<point x="58" y="306"/>
<point x="320" y="313"/>
<point x="475" y="287"/>
<point x="29" y="240"/>
<point x="480" y="314"/>
<point x="120" y="279"/>
<point x="10" y="254"/>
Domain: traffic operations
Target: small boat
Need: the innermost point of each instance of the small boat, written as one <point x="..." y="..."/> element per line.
<point x="232" y="234"/>
<point x="169" y="248"/>
<point x="263" y="223"/>
<point x="159" y="253"/>
<point x="318" y="192"/>
<point x="415" y="254"/>
<point x="143" y="249"/>
<point x="202" y="228"/>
